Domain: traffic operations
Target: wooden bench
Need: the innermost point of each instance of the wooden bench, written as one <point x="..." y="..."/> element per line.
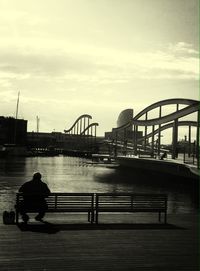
<point x="63" y="203"/>
<point x="127" y="202"/>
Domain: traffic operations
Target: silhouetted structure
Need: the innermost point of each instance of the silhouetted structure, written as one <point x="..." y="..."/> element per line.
<point x="124" y="117"/>
<point x="13" y="131"/>
<point x="147" y="144"/>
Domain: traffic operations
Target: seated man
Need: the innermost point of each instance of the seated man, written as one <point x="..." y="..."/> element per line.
<point x="35" y="192"/>
<point x="164" y="155"/>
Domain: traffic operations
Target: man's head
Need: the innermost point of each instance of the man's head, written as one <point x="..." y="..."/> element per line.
<point x="37" y="176"/>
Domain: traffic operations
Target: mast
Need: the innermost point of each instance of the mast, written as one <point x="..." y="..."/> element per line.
<point x="16" y="116"/>
<point x="17" y="107"/>
<point x="38" y="124"/>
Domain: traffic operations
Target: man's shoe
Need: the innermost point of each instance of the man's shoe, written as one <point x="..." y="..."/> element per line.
<point x="25" y="218"/>
<point x="38" y="218"/>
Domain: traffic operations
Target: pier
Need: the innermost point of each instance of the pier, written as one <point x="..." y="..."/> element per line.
<point x="130" y="242"/>
<point x="167" y="166"/>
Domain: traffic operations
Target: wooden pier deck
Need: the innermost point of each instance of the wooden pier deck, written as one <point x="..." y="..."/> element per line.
<point x="70" y="243"/>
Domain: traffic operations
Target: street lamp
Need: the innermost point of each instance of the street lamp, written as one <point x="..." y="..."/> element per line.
<point x="158" y="143"/>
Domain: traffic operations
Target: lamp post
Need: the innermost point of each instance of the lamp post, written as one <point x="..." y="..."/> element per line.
<point x="158" y="141"/>
<point x="184" y="152"/>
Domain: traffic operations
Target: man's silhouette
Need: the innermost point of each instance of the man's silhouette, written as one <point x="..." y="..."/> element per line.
<point x="34" y="194"/>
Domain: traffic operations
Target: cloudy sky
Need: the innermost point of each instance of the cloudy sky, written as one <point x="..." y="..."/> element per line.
<point x="97" y="57"/>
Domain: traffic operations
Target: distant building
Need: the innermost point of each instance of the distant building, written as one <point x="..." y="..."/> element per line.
<point x="13" y="131"/>
<point x="124" y="117"/>
<point x="59" y="140"/>
<point x="40" y="140"/>
<point x="128" y="134"/>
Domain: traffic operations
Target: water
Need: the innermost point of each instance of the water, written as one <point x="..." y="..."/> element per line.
<point x="73" y="174"/>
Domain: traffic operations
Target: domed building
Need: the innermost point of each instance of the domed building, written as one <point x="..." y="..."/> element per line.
<point x="124" y="117"/>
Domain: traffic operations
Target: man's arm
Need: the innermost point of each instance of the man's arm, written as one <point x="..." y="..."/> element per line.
<point x="21" y="189"/>
<point x="46" y="190"/>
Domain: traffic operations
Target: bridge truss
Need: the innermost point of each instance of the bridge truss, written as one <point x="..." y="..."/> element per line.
<point x="155" y="126"/>
<point x="84" y="132"/>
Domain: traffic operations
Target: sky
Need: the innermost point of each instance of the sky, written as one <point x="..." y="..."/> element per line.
<point x="97" y="57"/>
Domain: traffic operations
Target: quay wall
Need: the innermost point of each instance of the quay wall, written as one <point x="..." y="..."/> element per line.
<point x="161" y="166"/>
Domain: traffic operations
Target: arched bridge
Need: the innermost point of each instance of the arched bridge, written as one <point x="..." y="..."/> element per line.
<point x="162" y="121"/>
<point x="82" y="126"/>
<point x="83" y="133"/>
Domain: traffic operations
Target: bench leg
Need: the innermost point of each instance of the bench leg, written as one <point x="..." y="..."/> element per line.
<point x="96" y="218"/>
<point x="92" y="217"/>
<point x="159" y="216"/>
<point x="89" y="217"/>
<point x="165" y="217"/>
<point x="17" y="217"/>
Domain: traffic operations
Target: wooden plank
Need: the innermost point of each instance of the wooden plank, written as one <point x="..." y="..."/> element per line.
<point x="116" y="247"/>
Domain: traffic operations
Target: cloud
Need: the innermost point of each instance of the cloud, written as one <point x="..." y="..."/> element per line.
<point x="59" y="77"/>
<point x="183" y="48"/>
<point x="94" y="65"/>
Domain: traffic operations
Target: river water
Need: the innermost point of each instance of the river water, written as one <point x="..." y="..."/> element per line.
<point x="73" y="174"/>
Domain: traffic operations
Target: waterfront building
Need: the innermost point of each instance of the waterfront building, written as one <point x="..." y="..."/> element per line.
<point x="128" y="134"/>
<point x="61" y="141"/>
<point x="124" y="117"/>
<point x="13" y="131"/>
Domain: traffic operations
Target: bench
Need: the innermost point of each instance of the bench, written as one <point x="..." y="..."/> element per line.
<point x="63" y="203"/>
<point x="128" y="202"/>
<point x="95" y="203"/>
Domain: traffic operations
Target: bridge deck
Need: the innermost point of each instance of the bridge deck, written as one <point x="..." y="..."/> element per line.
<point x="170" y="166"/>
<point x="72" y="244"/>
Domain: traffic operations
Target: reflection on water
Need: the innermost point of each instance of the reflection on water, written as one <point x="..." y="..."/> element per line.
<point x="72" y="174"/>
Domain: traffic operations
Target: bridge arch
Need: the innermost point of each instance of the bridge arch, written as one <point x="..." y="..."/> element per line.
<point x="83" y="134"/>
<point x="79" y="125"/>
<point x="89" y="129"/>
<point x="160" y="104"/>
<point x="163" y="122"/>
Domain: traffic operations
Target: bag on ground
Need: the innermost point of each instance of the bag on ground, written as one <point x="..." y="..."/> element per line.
<point x="9" y="217"/>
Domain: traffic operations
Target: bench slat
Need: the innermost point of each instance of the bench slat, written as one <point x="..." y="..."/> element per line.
<point x="104" y="202"/>
<point x="65" y="202"/>
<point x="127" y="202"/>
